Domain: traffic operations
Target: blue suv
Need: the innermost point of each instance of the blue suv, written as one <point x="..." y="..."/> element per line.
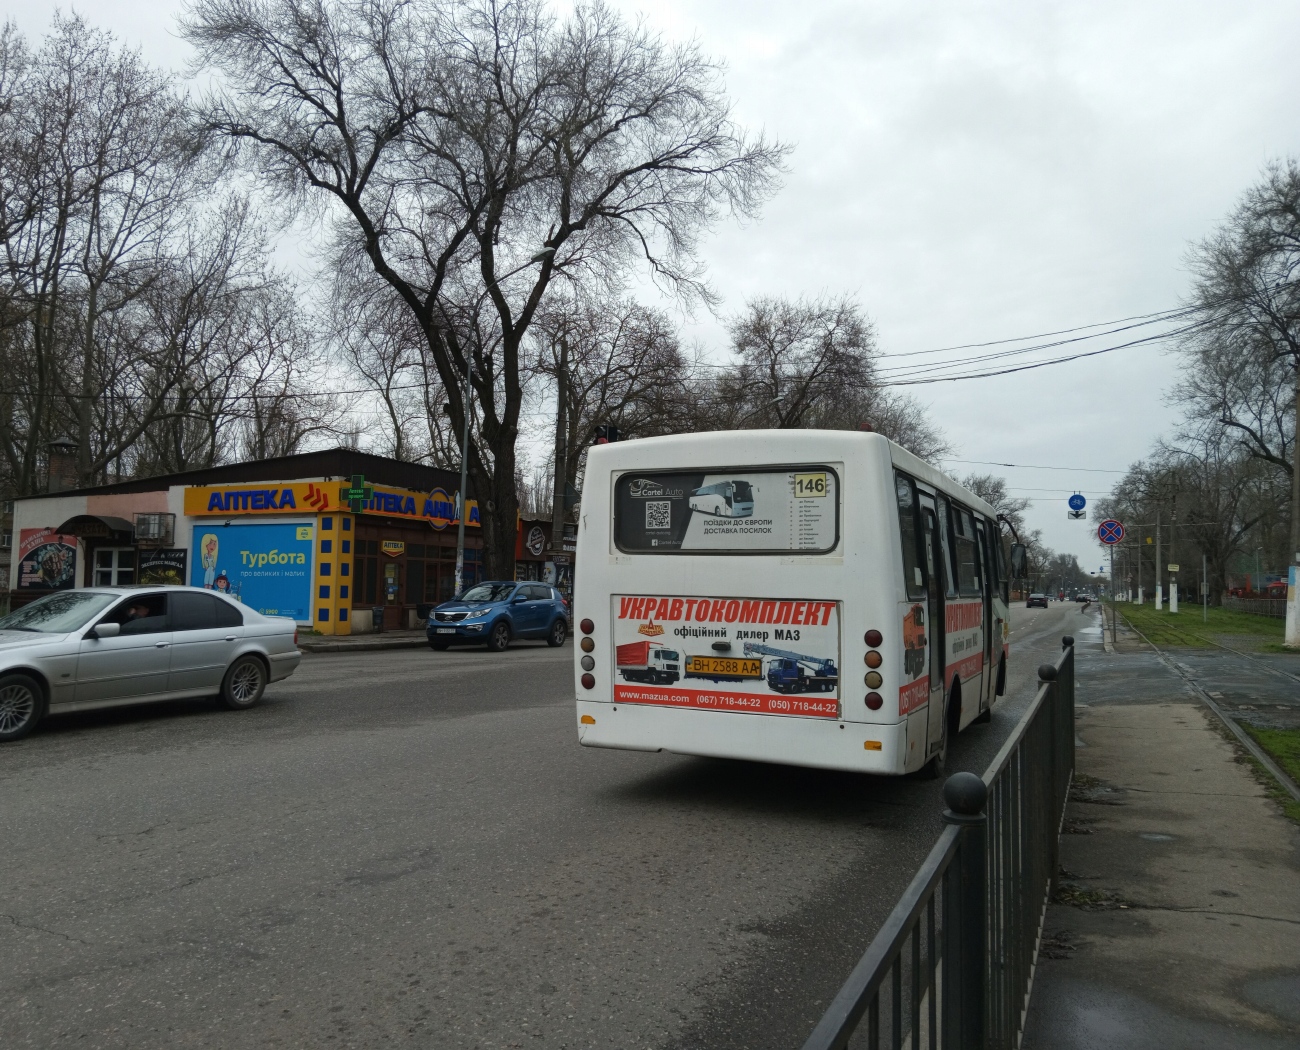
<point x="495" y="613"/>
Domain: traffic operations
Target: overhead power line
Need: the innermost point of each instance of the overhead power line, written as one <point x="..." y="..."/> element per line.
<point x="1036" y="466"/>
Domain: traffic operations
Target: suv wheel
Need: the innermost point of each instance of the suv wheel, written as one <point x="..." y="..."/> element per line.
<point x="559" y="632"/>
<point x="22" y="705"/>
<point x="499" y="639"/>
<point x="244" y="683"/>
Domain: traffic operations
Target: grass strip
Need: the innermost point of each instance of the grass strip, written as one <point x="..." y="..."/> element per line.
<point x="1186" y="629"/>
<point x="1283" y="746"/>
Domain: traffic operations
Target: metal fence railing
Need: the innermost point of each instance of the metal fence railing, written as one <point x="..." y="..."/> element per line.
<point x="953" y="964"/>
<point x="1275" y="607"/>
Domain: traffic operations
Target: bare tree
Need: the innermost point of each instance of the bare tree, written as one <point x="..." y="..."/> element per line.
<point x="1247" y="296"/>
<point x="450" y="143"/>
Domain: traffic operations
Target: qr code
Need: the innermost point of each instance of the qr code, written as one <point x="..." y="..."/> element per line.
<point x="658" y="514"/>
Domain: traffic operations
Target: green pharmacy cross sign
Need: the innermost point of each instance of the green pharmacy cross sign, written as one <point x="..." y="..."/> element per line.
<point x="359" y="494"/>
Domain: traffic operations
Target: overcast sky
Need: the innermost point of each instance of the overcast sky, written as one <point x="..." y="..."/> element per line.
<point x="976" y="171"/>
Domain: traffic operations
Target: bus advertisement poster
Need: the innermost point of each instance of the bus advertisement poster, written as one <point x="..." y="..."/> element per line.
<point x="728" y="511"/>
<point x="746" y="655"/>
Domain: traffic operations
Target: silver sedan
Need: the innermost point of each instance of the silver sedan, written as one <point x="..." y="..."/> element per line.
<point x="108" y="646"/>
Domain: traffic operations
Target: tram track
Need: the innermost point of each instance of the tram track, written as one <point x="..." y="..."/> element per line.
<point x="1189" y="678"/>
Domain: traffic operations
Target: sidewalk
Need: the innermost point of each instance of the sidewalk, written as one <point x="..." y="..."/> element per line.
<point x="353" y="643"/>
<point x="1177" y="924"/>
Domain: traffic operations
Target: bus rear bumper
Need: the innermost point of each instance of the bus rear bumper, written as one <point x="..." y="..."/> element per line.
<point x="821" y="743"/>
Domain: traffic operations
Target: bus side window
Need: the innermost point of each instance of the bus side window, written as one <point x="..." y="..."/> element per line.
<point x="982" y="549"/>
<point x="944" y="529"/>
<point x="910" y="533"/>
<point x="968" y="568"/>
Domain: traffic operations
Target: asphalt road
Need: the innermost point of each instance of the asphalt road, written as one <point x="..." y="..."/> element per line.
<point x="410" y="848"/>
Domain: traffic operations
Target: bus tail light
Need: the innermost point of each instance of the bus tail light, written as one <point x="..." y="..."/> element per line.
<point x="874" y="659"/>
<point x="871" y="745"/>
<point x="875" y="701"/>
<point x="587" y="626"/>
<point x="588" y="645"/>
<point x="588" y="681"/>
<point x="587" y="720"/>
<point x="873" y="680"/>
<point x="873" y="639"/>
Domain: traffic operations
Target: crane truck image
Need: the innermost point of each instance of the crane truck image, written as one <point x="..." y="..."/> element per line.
<point x="789" y="672"/>
<point x="647" y="662"/>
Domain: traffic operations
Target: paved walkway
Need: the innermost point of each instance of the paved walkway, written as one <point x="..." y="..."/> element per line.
<point x="1178" y="921"/>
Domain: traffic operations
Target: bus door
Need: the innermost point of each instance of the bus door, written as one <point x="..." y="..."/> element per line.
<point x="936" y="586"/>
<point x="988" y="576"/>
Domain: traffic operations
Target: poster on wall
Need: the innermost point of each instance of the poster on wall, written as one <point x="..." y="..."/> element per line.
<point x="727" y="511"/>
<point x="47" y="561"/>
<point x="266" y="567"/>
<point x="747" y="655"/>
<point x="163" y="566"/>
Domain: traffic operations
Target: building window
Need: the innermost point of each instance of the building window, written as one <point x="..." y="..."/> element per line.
<point x="114" y="566"/>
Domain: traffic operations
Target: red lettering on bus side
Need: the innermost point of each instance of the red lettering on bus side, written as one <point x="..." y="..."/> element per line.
<point x="768" y="614"/>
<point x="624" y="607"/>
<point x="718" y="611"/>
<point x="796" y="614"/>
<point x="662" y="612"/>
<point x="733" y="611"/>
<point x="675" y="609"/>
<point x="749" y="612"/>
<point x="702" y="611"/>
<point x="783" y="613"/>
<point x="690" y="607"/>
<point x="827" y="609"/>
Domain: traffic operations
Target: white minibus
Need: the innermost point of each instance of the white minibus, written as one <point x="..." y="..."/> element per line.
<point x="849" y="613"/>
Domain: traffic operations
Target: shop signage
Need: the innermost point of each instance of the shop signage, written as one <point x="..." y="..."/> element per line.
<point x="162" y="565"/>
<point x="438" y="507"/>
<point x="393" y="548"/>
<point x="266" y="566"/>
<point x="47" y="561"/>
<point x="536" y="542"/>
<point x="297" y="497"/>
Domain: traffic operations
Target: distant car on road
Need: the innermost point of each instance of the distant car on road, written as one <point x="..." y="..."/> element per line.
<point x="110" y="646"/>
<point x="496" y="613"/>
<point x="1036" y="601"/>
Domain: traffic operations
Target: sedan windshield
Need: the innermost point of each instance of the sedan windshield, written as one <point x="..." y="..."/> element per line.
<point x="57" y="613"/>
<point x="488" y="592"/>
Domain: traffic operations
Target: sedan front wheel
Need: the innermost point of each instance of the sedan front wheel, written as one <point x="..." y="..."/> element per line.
<point x="22" y="705"/>
<point x="244" y="683"/>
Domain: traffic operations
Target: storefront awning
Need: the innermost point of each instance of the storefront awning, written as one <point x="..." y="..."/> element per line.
<point x="96" y="525"/>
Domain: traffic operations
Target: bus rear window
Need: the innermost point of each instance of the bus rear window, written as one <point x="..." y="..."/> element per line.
<point x="728" y="511"/>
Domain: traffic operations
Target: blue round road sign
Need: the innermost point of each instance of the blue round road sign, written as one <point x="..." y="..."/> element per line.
<point x="1077" y="502"/>
<point x="1110" y="531"/>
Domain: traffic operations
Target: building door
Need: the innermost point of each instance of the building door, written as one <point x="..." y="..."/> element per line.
<point x="392" y="596"/>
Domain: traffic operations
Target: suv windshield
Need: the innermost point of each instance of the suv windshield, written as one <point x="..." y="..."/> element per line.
<point x="57" y="613"/>
<point x="488" y="592"/>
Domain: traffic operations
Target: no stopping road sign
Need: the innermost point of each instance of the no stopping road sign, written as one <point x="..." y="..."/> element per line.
<point x="1110" y="532"/>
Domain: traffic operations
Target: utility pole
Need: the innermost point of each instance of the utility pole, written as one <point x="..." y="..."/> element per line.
<point x="1173" y="555"/>
<point x="1160" y="590"/>
<point x="561" y="455"/>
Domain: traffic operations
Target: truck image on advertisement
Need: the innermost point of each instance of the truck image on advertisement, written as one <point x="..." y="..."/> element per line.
<point x="789" y="672"/>
<point x="726" y="499"/>
<point x="647" y="662"/>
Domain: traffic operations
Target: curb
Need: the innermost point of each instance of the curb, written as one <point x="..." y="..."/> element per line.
<point x="353" y="647"/>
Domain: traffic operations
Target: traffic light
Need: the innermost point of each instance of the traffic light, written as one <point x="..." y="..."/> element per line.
<point x="606" y="433"/>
